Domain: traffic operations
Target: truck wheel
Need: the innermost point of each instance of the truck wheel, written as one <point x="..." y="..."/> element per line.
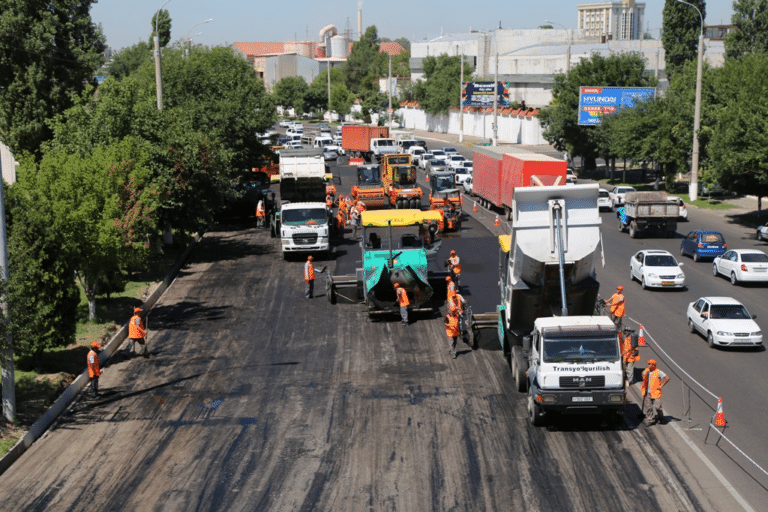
<point x="398" y="204"/>
<point x="534" y="411"/>
<point x="632" y="230"/>
<point x="416" y="203"/>
<point x="621" y="227"/>
<point x="517" y="368"/>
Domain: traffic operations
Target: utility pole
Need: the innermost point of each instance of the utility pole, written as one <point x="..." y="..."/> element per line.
<point x="328" y="64"/>
<point x="495" y="99"/>
<point x="158" y="70"/>
<point x="9" y="385"/>
<point x="389" y="92"/>
<point x="461" y="102"/>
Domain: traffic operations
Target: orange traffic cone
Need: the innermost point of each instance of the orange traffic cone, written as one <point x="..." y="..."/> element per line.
<point x="497" y="222"/>
<point x="474" y="208"/>
<point x="719" y="415"/>
<point x="641" y="338"/>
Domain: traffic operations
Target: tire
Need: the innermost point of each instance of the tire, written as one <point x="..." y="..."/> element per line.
<point x="734" y="281"/>
<point x="696" y="257"/>
<point x="642" y="283"/>
<point x="621" y="227"/>
<point x="415" y="203"/>
<point x="682" y="251"/>
<point x="691" y="326"/>
<point x="518" y="361"/>
<point x="399" y="204"/>
<point x="714" y="269"/>
<point x="631" y="275"/>
<point x="534" y="411"/>
<point x="632" y="230"/>
<point x="710" y="340"/>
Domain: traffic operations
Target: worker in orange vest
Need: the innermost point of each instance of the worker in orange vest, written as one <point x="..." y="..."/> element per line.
<point x="653" y="380"/>
<point x="454" y="265"/>
<point x="453" y="331"/>
<point x="354" y="220"/>
<point x="631" y="355"/>
<point x="94" y="371"/>
<point x="616" y="302"/>
<point x="261" y="213"/>
<point x="451" y="287"/>
<point x="309" y="278"/>
<point x="137" y="333"/>
<point x="402" y="300"/>
<point x="329" y="201"/>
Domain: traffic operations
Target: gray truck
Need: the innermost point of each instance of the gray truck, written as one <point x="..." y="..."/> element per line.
<point x="644" y="212"/>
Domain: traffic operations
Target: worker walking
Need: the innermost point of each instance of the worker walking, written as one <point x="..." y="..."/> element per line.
<point x="653" y="380"/>
<point x="451" y="288"/>
<point x="616" y="302"/>
<point x="94" y="371"/>
<point x="631" y="355"/>
<point x="309" y="278"/>
<point x="137" y="333"/>
<point x="402" y="300"/>
<point x="261" y="213"/>
<point x="452" y="331"/>
<point x="354" y="219"/>
<point x="454" y="265"/>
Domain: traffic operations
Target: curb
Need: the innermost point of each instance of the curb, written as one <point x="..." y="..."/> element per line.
<point x="72" y="391"/>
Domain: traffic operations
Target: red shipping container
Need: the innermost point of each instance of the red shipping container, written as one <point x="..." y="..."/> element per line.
<point x="486" y="174"/>
<point x="358" y="137"/>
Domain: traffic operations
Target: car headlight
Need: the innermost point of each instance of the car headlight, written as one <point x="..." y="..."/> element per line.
<point x="723" y="333"/>
<point x="651" y="274"/>
<point x="681" y="276"/>
<point x="758" y="333"/>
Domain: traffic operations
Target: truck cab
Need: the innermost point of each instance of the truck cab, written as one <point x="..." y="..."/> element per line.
<point x="445" y="198"/>
<point x="381" y="147"/>
<point x="303" y="227"/>
<point x="404" y="192"/>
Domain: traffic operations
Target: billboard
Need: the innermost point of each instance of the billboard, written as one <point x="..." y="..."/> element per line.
<point x="598" y="102"/>
<point x="480" y="94"/>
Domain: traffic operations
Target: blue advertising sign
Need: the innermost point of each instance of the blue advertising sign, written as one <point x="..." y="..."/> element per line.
<point x="480" y="94"/>
<point x="598" y="102"/>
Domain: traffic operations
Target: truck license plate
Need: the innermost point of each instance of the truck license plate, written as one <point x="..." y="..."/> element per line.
<point x="581" y="399"/>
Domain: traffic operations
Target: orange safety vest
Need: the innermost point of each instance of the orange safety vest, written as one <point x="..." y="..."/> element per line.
<point x="627" y="350"/>
<point x="260" y="209"/>
<point x="455" y="305"/>
<point x="655" y="380"/>
<point x="402" y="298"/>
<point x="309" y="272"/>
<point x="451" y="290"/>
<point x="455" y="264"/>
<point x="329" y="201"/>
<point x="452" y="327"/>
<point x="617" y="304"/>
<point x="136" y="328"/>
<point x="93" y="364"/>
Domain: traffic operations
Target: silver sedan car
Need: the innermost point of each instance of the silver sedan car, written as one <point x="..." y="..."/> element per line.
<point x="656" y="269"/>
<point x="742" y="265"/>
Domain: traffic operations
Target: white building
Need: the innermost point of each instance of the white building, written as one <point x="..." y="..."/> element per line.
<point x="620" y="21"/>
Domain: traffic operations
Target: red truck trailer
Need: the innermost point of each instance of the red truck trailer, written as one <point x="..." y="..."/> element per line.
<point x="356" y="141"/>
<point x="498" y="170"/>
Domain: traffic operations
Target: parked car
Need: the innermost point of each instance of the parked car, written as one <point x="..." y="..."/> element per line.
<point x="683" y="215"/>
<point x="467" y="184"/>
<point x="724" y="321"/>
<point x="703" y="244"/>
<point x="324" y="128"/>
<point x="570" y="174"/>
<point x="656" y="269"/>
<point x="455" y="161"/>
<point x="742" y="265"/>
<point x="448" y="149"/>
<point x="604" y="200"/>
<point x="762" y="232"/>
<point x="619" y="194"/>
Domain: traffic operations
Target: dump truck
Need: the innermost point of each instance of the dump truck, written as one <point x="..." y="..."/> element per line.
<point x="397" y="247"/>
<point x="499" y="170"/>
<point x="399" y="178"/>
<point x="303" y="222"/>
<point x="644" y="212"/>
<point x="445" y="198"/>
<point x="370" y="188"/>
<point x="567" y="359"/>
<point x="363" y="143"/>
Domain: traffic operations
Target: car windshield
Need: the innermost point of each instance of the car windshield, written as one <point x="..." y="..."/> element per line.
<point x="440" y="183"/>
<point x="664" y="260"/>
<point x="754" y="257"/>
<point x="305" y="216"/>
<point x="734" y="312"/>
<point x="457" y="158"/>
<point x="437" y="152"/>
<point x="625" y="190"/>
<point x="712" y="238"/>
<point x="603" y="193"/>
<point x="580" y="349"/>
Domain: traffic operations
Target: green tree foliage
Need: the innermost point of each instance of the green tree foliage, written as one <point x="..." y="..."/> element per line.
<point x="128" y="60"/>
<point x="401" y="64"/>
<point x="439" y="92"/>
<point x="316" y="98"/>
<point x="164" y="23"/>
<point x="560" y="120"/>
<point x="680" y="33"/>
<point x="48" y="52"/>
<point x="290" y="92"/>
<point x="365" y="63"/>
<point x="750" y="18"/>
<point x="342" y="99"/>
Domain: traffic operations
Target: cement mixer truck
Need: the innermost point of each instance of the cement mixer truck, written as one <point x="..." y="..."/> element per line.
<point x="566" y="359"/>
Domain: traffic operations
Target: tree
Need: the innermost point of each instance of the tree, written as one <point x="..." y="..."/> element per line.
<point x="750" y="35"/>
<point x="342" y="99"/>
<point x="164" y="22"/>
<point x="680" y="33"/>
<point x="401" y="64"/>
<point x="440" y="89"/>
<point x="290" y="92"/>
<point x="128" y="60"/>
<point x="49" y="52"/>
<point x="364" y="62"/>
<point x="316" y="97"/>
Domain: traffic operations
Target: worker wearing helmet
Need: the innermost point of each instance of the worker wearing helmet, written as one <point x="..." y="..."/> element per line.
<point x="454" y="265"/>
<point x="94" y="371"/>
<point x="631" y="355"/>
<point x="653" y="380"/>
<point x="402" y="300"/>
<point x="616" y="302"/>
<point x="261" y="213"/>
<point x="451" y="288"/>
<point x="309" y="278"/>
<point x="137" y="333"/>
<point x="452" y="330"/>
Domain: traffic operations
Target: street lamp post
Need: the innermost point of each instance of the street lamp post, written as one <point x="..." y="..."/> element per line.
<point x="158" y="70"/>
<point x="693" y="187"/>
<point x="189" y="39"/>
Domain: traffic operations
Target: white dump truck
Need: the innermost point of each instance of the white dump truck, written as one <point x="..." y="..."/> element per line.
<point x="564" y="357"/>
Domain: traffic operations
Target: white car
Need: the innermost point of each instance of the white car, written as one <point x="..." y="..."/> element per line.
<point x="469" y="164"/>
<point x="569" y="181"/>
<point x="456" y="161"/>
<point x="742" y="265"/>
<point x="683" y="214"/>
<point x="656" y="269"/>
<point x="416" y="153"/>
<point x="467" y="184"/>
<point x="424" y="160"/>
<point x="762" y="232"/>
<point x="619" y="194"/>
<point x="439" y="154"/>
<point x="448" y="149"/>
<point x="570" y="174"/>
<point x="462" y="174"/>
<point x="284" y="123"/>
<point x="724" y="321"/>
<point x="604" y="200"/>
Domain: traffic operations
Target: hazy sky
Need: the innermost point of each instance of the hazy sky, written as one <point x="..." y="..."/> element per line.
<point x="125" y="23"/>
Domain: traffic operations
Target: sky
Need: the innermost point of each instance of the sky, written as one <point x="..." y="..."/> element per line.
<point x="125" y="23"/>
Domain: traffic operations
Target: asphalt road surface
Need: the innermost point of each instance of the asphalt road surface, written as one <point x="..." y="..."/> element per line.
<point x="257" y="399"/>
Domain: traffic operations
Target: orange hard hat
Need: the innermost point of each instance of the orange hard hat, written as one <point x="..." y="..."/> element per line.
<point x="95" y="345"/>
<point x="620" y="288"/>
<point x="453" y="252"/>
<point x="652" y="362"/>
<point x="310" y="258"/>
<point x="137" y="310"/>
<point x="448" y="278"/>
<point x="397" y="285"/>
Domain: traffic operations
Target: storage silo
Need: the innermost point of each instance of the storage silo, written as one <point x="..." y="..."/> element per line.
<point x="339" y="46"/>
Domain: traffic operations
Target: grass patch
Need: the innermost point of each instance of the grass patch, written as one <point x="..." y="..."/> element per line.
<point x="709" y="203"/>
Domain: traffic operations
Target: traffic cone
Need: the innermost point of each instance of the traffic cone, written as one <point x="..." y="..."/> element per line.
<point x="719" y="415"/>
<point x="474" y="208"/>
<point x="497" y="222"/>
<point x="641" y="338"/>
